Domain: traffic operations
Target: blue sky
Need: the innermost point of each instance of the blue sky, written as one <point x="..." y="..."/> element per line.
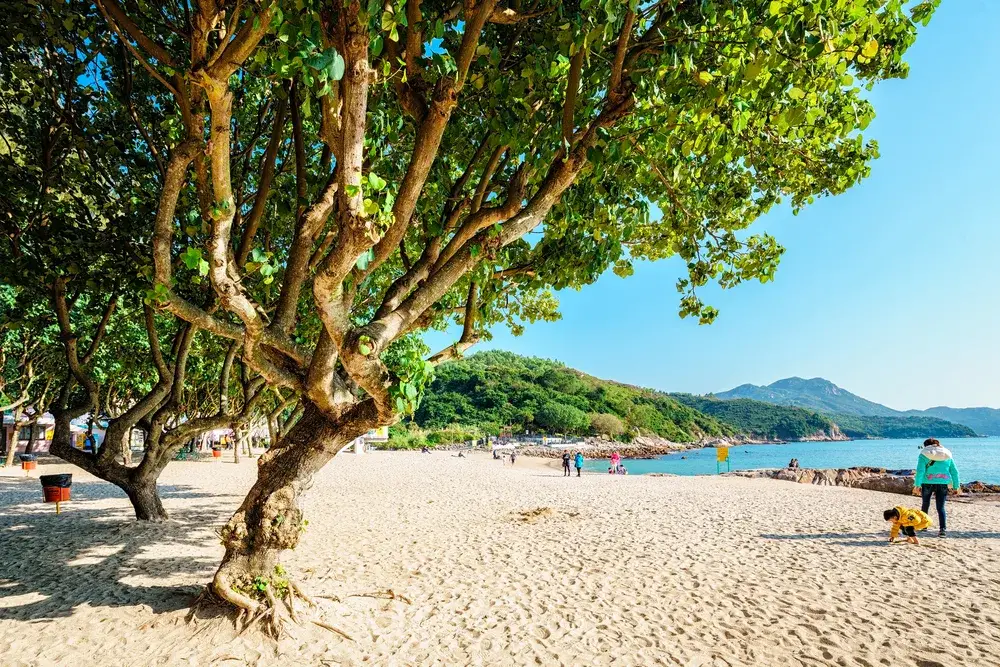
<point x="888" y="290"/>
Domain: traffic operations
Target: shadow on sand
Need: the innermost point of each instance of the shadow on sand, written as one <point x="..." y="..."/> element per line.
<point x="50" y="564"/>
<point x="881" y="538"/>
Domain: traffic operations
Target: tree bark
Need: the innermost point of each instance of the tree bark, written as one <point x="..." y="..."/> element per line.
<point x="145" y="497"/>
<point x="32" y="438"/>
<point x="270" y="521"/>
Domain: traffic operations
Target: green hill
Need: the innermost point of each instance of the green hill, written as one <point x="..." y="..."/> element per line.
<point x="857" y="426"/>
<point x="492" y="390"/>
<point x="985" y="421"/>
<point x="763" y="421"/>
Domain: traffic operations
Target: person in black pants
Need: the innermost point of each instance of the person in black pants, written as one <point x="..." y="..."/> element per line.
<point x="565" y="459"/>
<point x="936" y="472"/>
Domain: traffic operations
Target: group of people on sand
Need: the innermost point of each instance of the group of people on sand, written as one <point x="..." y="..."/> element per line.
<point x="502" y="456"/>
<point x="616" y="467"/>
<point x="936" y="475"/>
<point x="577" y="460"/>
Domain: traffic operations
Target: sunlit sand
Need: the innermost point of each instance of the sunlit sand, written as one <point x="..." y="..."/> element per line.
<point x="493" y="565"/>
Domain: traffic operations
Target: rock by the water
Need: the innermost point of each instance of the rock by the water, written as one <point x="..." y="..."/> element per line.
<point x="863" y="477"/>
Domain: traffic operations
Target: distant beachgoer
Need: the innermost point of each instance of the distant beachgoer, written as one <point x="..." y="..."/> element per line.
<point x="513" y="455"/>
<point x="793" y="464"/>
<point x="425" y="450"/>
<point x="495" y="455"/>
<point x="578" y="462"/>
<point x="620" y="470"/>
<point x="909" y="520"/>
<point x="936" y="471"/>
<point x="615" y="460"/>
<point x="565" y="461"/>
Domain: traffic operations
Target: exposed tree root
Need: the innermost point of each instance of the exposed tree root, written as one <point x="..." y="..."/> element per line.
<point x="387" y="594"/>
<point x="327" y="626"/>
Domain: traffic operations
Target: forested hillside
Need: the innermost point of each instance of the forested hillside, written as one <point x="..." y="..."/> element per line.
<point x="493" y="390"/>
<point x="763" y="421"/>
<point x="858" y="426"/>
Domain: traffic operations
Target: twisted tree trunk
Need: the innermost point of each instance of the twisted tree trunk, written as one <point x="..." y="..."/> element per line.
<point x="269" y="520"/>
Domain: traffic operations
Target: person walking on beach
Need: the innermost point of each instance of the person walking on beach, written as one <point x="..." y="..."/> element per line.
<point x="565" y="460"/>
<point x="578" y="462"/>
<point x="936" y="472"/>
<point x="615" y="460"/>
<point x="513" y="455"/>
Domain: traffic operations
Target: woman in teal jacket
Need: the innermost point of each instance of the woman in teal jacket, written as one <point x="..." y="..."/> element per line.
<point x="936" y="472"/>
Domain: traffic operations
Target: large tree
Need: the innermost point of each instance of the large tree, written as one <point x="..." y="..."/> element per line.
<point x="78" y="333"/>
<point x="346" y="175"/>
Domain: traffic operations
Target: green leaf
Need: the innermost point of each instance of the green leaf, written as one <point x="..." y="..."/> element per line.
<point x="191" y="257"/>
<point x="365" y="259"/>
<point x="375" y="181"/>
<point x="203" y="267"/>
<point x="796" y="93"/>
<point x="365" y="349"/>
<point x="352" y="190"/>
<point x="870" y="49"/>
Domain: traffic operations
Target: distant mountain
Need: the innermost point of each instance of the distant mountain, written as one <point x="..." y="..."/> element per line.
<point x="856" y="415"/>
<point x="816" y="394"/>
<point x="985" y="421"/>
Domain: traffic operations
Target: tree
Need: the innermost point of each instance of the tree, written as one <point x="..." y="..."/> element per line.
<point x="348" y="174"/>
<point x="603" y="423"/>
<point x="561" y="418"/>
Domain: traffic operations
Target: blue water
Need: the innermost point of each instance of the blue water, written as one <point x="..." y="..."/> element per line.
<point x="976" y="458"/>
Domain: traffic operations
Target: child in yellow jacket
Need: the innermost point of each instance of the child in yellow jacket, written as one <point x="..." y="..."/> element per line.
<point x="909" y="520"/>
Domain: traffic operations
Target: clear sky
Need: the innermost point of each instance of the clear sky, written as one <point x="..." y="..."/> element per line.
<point x="889" y="290"/>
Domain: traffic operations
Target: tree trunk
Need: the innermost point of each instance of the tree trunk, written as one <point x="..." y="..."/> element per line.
<point x="32" y="437"/>
<point x="237" y="443"/>
<point x="15" y="440"/>
<point x="269" y="520"/>
<point x="138" y="483"/>
<point x="145" y="498"/>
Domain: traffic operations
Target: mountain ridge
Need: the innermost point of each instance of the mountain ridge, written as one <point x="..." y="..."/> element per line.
<point x="827" y="398"/>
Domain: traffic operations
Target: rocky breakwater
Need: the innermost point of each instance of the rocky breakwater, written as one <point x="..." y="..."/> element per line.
<point x="641" y="447"/>
<point x="872" y="479"/>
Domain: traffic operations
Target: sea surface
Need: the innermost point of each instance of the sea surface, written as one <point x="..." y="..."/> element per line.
<point x="976" y="458"/>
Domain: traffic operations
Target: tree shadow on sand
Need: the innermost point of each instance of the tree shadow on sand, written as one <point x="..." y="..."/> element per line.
<point x="51" y="563"/>
<point x="880" y="538"/>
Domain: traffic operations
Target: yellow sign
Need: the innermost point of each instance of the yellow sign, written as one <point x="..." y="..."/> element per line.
<point x="722" y="454"/>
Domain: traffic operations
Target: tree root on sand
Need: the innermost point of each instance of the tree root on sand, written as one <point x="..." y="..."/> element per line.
<point x="387" y="594"/>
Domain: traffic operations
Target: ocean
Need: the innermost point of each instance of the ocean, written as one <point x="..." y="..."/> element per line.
<point x="976" y="458"/>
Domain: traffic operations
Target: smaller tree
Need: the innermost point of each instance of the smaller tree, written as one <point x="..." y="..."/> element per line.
<point x="603" y="423"/>
<point x="561" y="418"/>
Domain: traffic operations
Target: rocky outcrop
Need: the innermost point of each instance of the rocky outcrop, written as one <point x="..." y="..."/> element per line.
<point x="641" y="447"/>
<point x="872" y="479"/>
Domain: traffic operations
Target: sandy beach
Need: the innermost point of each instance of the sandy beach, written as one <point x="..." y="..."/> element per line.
<point x="505" y="566"/>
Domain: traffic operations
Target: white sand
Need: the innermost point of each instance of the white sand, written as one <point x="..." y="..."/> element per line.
<point x="624" y="571"/>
